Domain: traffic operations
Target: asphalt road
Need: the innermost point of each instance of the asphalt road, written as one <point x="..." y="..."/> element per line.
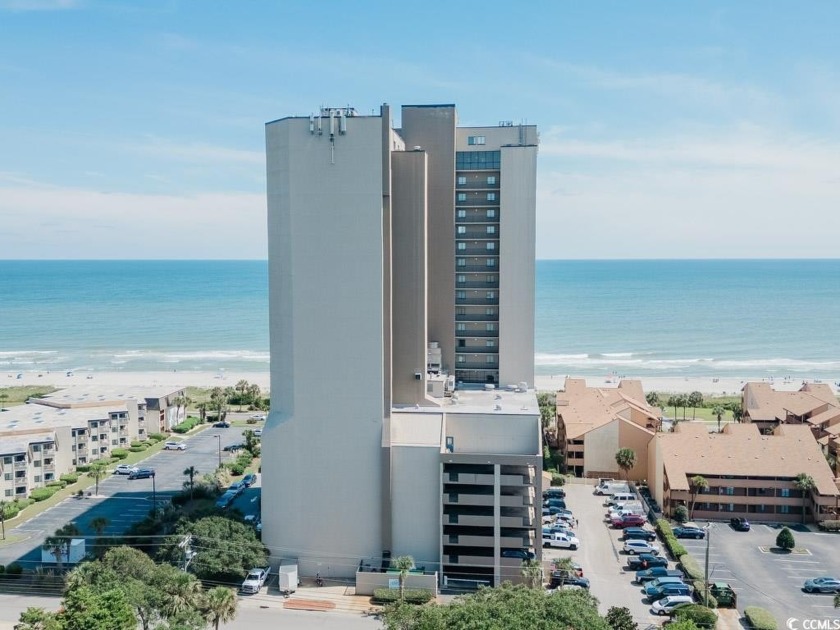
<point x="771" y="580"/>
<point x="124" y="502"/>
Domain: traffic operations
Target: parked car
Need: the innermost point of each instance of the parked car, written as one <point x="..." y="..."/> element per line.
<point x="255" y="580"/>
<point x="558" y="503"/>
<point x="226" y="499"/>
<point x="653" y="586"/>
<point x="739" y="524"/>
<point x="554" y="493"/>
<point x="630" y="520"/>
<point x="639" y="533"/>
<point x="258" y="433"/>
<point x="174" y="446"/>
<point x="249" y="480"/>
<point x="522" y="554"/>
<point x="563" y="578"/>
<point x="667" y="605"/>
<point x="124" y="469"/>
<point x="562" y="541"/>
<point x="646" y="575"/>
<point x="632" y="547"/>
<point x="668" y="590"/>
<point x="646" y="561"/>
<point x="141" y="473"/>
<point x="222" y="424"/>
<point x="232" y="448"/>
<point x="258" y="416"/>
<point x="689" y="531"/>
<point x="822" y="585"/>
<point x="237" y="487"/>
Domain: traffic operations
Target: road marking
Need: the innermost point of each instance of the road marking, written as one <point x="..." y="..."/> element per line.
<point x="801" y="561"/>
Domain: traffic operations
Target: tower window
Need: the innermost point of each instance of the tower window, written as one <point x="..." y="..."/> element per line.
<point x="473" y="140"/>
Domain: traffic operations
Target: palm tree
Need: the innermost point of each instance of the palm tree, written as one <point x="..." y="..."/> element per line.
<point x="98" y="524"/>
<point x="682" y="400"/>
<point x="718" y="411"/>
<point x="806" y="485"/>
<point x="181" y="401"/>
<point x="695" y="399"/>
<point x="403" y="564"/>
<point x="255" y="394"/>
<point x="242" y="387"/>
<point x="219" y="605"/>
<point x="183" y="593"/>
<point x="626" y="459"/>
<point x="191" y="472"/>
<point x="674" y="401"/>
<point x="202" y="411"/>
<point x="218" y="401"/>
<point x="652" y="399"/>
<point x="97" y="471"/>
<point x="533" y="572"/>
<point x="737" y="411"/>
<point x="59" y="543"/>
<point x="697" y="484"/>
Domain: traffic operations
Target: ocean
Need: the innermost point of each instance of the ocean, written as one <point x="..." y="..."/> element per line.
<point x="680" y="318"/>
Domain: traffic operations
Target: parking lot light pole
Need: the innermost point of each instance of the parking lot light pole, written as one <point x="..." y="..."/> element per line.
<point x="708" y="529"/>
<point x="154" y="492"/>
<point x="219" y="437"/>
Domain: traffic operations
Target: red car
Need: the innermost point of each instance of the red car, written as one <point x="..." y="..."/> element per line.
<point x="629" y="520"/>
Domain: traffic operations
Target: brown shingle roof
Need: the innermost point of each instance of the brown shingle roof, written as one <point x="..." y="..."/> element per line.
<point x="763" y="403"/>
<point x="742" y="451"/>
<point x="581" y="409"/>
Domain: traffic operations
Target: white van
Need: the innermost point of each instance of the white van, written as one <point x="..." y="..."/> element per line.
<point x="612" y="487"/>
<point x="623" y="497"/>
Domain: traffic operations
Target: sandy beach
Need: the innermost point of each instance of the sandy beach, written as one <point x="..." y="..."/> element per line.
<point x="175" y="379"/>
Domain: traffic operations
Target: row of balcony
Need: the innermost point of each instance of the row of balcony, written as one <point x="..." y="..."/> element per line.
<point x="478" y="216"/>
<point x="489" y="479"/>
<point x="480" y="520"/>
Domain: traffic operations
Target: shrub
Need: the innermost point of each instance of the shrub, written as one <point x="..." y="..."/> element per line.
<point x="56" y="484"/>
<point x="700" y="593"/>
<point x="785" y="539"/>
<point x="760" y="619"/>
<point x="702" y="617"/>
<point x="137" y="449"/>
<point x="690" y="567"/>
<point x="236" y="468"/>
<point x="70" y="477"/>
<point x="829" y="526"/>
<point x="558" y="479"/>
<point x="83" y="468"/>
<point x="119" y="453"/>
<point x="157" y="437"/>
<point x="136" y="443"/>
<point x="681" y="514"/>
<point x="14" y="570"/>
<point x="412" y="596"/>
<point x="10" y="510"/>
<point x="673" y="545"/>
<point x="42" y="494"/>
<point x="186" y="425"/>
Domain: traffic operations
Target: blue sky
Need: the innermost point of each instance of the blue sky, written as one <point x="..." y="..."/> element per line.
<point x="668" y="130"/>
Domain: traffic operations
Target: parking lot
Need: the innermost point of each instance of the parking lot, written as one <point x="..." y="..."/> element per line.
<point x="771" y="580"/>
<point x="601" y="556"/>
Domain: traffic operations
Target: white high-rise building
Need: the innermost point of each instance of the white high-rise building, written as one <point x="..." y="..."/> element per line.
<point x="401" y="262"/>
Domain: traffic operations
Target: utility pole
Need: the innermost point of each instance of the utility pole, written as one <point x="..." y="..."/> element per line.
<point x="3" y="517"/>
<point x="708" y="529"/>
<point x="154" y="493"/>
<point x="189" y="554"/>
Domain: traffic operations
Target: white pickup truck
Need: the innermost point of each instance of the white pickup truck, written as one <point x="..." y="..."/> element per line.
<point x="254" y="580"/>
<point x="562" y="540"/>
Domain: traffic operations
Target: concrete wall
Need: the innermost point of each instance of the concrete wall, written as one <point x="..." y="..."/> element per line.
<point x="433" y="128"/>
<point x="367" y="581"/>
<point x="600" y="446"/>
<point x="409" y="277"/>
<point x="322" y="442"/>
<point x="631" y="436"/>
<point x="504" y="434"/>
<point x="518" y="227"/>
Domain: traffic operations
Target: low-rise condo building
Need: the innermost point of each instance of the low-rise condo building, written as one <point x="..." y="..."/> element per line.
<point x="748" y="474"/>
<point x="593" y="423"/>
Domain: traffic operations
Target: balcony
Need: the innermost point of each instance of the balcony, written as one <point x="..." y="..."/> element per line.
<point x="477" y="268"/>
<point x="466" y="334"/>
<point x="454" y="498"/>
<point x="478" y="249"/>
<point x="469" y="520"/>
<point x="477" y="284"/>
<point x="478" y="217"/>
<point x="476" y="561"/>
<point x="469" y="478"/>
<point x="477" y="233"/>
<point x="478" y="301"/>
<point x="469" y="541"/>
<point x="20" y="465"/>
<point x="466" y="365"/>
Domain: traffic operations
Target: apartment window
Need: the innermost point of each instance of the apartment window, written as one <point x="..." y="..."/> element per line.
<point x="491" y="213"/>
<point x="490" y="343"/>
<point x="462" y="229"/>
<point x="462" y="279"/>
<point x="20" y="458"/>
<point x="462" y="343"/>
<point x="460" y="311"/>
<point x="93" y="425"/>
<point x="462" y="180"/>
<point x="114" y="442"/>
<point x="37" y="478"/>
<point x="37" y="463"/>
<point x="7" y="460"/>
<point x="94" y="438"/>
<point x="8" y="492"/>
<point x="462" y="262"/>
<point x="461" y="327"/>
<point x="491" y="262"/>
<point x="461" y="358"/>
<point x="490" y="311"/>
<point x="784" y="509"/>
<point x="491" y="229"/>
<point x="730" y="491"/>
<point x="36" y="448"/>
<point x="49" y="477"/>
<point x="491" y="279"/>
<point x="490" y="327"/>
<point x="462" y="246"/>
<point x="784" y="492"/>
<point x="7" y="476"/>
<point x="491" y="295"/>
<point x="491" y="180"/>
<point x="462" y="214"/>
<point x="491" y="247"/>
<point x="461" y="295"/>
<point x="489" y="359"/>
<point x="20" y="490"/>
<point x="48" y="461"/>
<point x="474" y="140"/>
<point x="491" y="196"/>
<point x="462" y="196"/>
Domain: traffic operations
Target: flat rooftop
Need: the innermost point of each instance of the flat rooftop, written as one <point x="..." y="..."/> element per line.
<point x="92" y="396"/>
<point x="34" y="417"/>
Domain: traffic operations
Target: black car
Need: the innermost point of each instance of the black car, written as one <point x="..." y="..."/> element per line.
<point x="739" y="524"/>
<point x="554" y="493"/>
<point x="224" y="424"/>
<point x="646" y="561"/>
<point x="562" y="578"/>
<point x="249" y="480"/>
<point x="639" y="533"/>
<point x="689" y="532"/>
<point x="141" y="473"/>
<point x="522" y="554"/>
<point x="233" y="447"/>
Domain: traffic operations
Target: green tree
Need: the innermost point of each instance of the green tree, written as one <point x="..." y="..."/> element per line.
<point x="3" y="518"/>
<point x="682" y="399"/>
<point x="718" y="412"/>
<point x="626" y="459"/>
<point x="806" y="485"/>
<point x="37" y="619"/>
<point x="674" y="401"/>
<point x="681" y="514"/>
<point x="547" y="402"/>
<point x="181" y="401"/>
<point x="695" y="399"/>
<point x="696" y="484"/>
<point x="242" y="387"/>
<point x="229" y="549"/>
<point x="532" y="571"/>
<point x="97" y="471"/>
<point x="506" y="606"/>
<point x="191" y="472"/>
<point x="99" y="524"/>
<point x="403" y="564"/>
<point x="652" y="399"/>
<point x="86" y="609"/>
<point x="621" y="619"/>
<point x="202" y="412"/>
<point x="183" y="597"/>
<point x="737" y="411"/>
<point x="683" y="624"/>
<point x="219" y="605"/>
<point x="252" y="444"/>
<point x="255" y="395"/>
<point x="218" y="402"/>
<point x="59" y="543"/>
<point x="785" y="539"/>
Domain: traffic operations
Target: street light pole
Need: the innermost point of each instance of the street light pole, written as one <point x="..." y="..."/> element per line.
<point x="154" y="493"/>
<point x="706" y="579"/>
<point x="219" y="437"/>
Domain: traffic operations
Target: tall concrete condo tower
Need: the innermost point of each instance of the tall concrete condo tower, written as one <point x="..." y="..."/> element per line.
<point x="384" y="243"/>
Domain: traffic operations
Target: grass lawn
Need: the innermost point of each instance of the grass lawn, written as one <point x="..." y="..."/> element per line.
<point x="17" y="395"/>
